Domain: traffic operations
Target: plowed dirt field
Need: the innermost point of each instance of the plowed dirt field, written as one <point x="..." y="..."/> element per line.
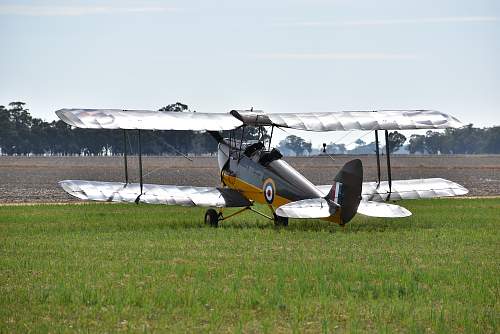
<point x="34" y="179"/>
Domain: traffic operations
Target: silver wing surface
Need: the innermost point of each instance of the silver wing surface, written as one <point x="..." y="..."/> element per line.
<point x="383" y="210"/>
<point x="352" y="120"/>
<point x="319" y="121"/>
<point x="155" y="194"/>
<point x="147" y="119"/>
<point x="407" y="189"/>
<point x="320" y="208"/>
<point x="306" y="208"/>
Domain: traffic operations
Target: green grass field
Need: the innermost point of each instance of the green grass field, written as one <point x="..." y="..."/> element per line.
<point x="107" y="268"/>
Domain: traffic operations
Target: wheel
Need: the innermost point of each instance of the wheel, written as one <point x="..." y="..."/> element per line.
<point x="280" y="221"/>
<point x="212" y="218"/>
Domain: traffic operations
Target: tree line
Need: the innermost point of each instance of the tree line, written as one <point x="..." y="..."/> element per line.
<point x="465" y="140"/>
<point x="22" y="134"/>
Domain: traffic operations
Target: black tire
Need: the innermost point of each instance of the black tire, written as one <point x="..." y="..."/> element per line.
<point x="280" y="221"/>
<point x="212" y="218"/>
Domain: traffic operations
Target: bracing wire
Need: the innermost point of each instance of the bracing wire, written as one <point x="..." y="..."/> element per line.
<point x="362" y="136"/>
<point x="161" y="167"/>
<point x="344" y="136"/>
<point x="129" y="142"/>
<point x="179" y="152"/>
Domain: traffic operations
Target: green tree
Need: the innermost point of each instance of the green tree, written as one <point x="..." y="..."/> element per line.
<point x="308" y="147"/>
<point x="297" y="145"/>
<point x="17" y="132"/>
<point x="416" y="144"/>
<point x="6" y="131"/>
<point x="360" y="142"/>
<point x="175" y="107"/>
<point x="333" y="148"/>
<point x="492" y="140"/>
<point x="433" y="142"/>
<point x="465" y="140"/>
<point x="396" y="141"/>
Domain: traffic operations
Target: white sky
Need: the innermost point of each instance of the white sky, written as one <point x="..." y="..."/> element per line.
<point x="296" y="55"/>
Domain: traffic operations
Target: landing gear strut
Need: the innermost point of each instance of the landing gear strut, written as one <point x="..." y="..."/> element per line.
<point x="212" y="218"/>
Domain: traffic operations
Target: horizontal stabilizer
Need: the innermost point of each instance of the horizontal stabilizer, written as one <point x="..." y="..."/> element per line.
<point x="155" y="194"/>
<point x="147" y="119"/>
<point x="383" y="210"/>
<point x="307" y="208"/>
<point x="407" y="189"/>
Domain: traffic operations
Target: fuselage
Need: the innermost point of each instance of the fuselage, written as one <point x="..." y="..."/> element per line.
<point x="262" y="176"/>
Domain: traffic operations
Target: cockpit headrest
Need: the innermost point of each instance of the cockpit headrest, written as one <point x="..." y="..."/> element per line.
<point x="250" y="150"/>
<point x="267" y="158"/>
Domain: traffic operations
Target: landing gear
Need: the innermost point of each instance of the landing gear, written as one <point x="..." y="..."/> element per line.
<point x="212" y="218"/>
<point x="280" y="221"/>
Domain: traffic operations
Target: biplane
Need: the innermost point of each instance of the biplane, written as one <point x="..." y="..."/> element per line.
<point x="254" y="172"/>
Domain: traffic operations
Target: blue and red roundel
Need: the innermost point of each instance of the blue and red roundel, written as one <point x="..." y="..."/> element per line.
<point x="269" y="190"/>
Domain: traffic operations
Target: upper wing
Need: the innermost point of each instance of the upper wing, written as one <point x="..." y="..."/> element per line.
<point x="147" y="119"/>
<point x="407" y="189"/>
<point x="352" y="120"/>
<point x="155" y="194"/>
<point x="323" y="121"/>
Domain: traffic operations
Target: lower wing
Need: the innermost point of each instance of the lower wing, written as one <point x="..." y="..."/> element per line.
<point x="155" y="194"/>
<point x="374" y="194"/>
<point x="407" y="189"/>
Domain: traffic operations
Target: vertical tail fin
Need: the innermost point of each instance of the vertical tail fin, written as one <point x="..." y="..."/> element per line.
<point x="346" y="189"/>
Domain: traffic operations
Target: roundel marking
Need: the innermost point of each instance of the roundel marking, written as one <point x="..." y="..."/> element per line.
<point x="269" y="190"/>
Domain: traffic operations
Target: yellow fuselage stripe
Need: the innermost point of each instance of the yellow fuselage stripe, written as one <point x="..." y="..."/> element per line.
<point x="257" y="194"/>
<point x="252" y="192"/>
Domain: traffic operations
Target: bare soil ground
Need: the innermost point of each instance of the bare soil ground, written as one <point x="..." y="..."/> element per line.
<point x="34" y="179"/>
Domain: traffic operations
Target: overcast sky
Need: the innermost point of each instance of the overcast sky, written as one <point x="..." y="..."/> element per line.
<point x="279" y="56"/>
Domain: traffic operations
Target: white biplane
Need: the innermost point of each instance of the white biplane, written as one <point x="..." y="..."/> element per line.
<point x="253" y="172"/>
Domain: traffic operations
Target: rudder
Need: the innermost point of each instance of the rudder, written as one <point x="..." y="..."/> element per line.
<point x="346" y="189"/>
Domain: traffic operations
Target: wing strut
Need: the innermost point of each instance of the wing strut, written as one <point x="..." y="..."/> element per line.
<point x="378" y="157"/>
<point x="270" y="138"/>
<point x="389" y="176"/>
<point x="140" y="166"/>
<point x="241" y="142"/>
<point x="125" y="155"/>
